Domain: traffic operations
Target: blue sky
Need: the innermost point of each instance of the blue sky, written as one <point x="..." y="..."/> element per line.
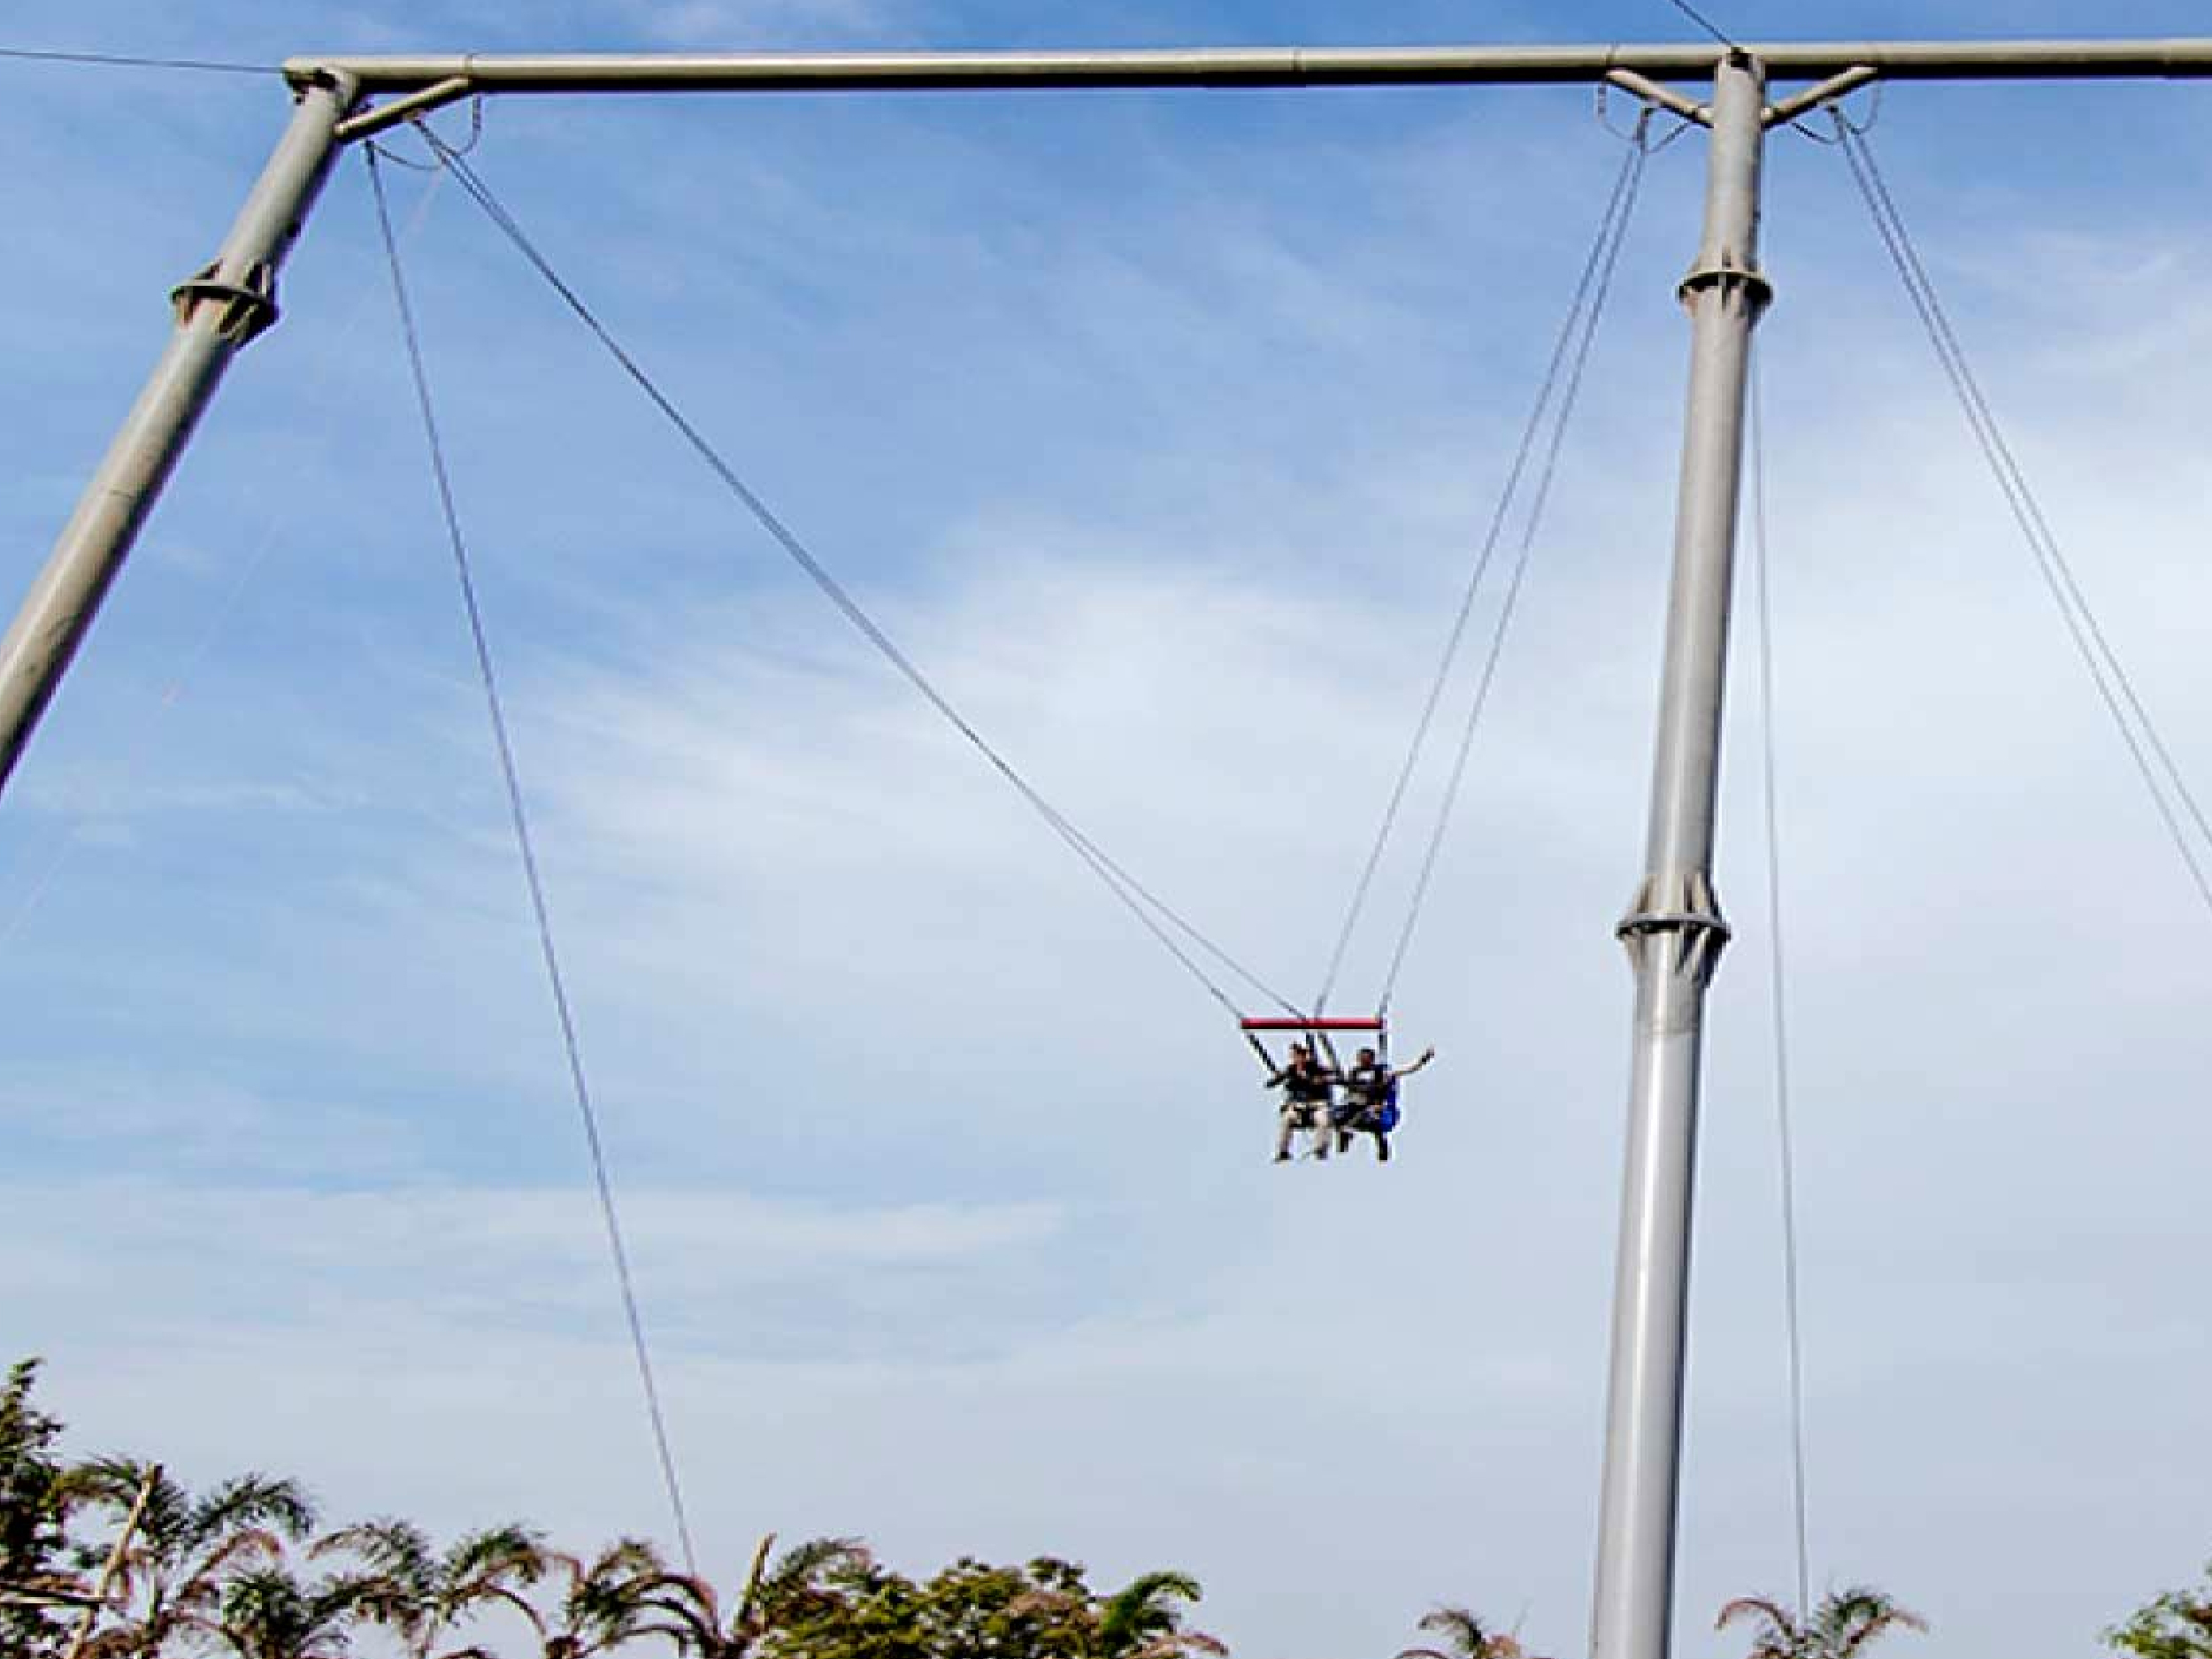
<point x="1161" y="428"/>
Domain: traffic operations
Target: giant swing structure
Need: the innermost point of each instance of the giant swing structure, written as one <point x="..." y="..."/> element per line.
<point x="1674" y="929"/>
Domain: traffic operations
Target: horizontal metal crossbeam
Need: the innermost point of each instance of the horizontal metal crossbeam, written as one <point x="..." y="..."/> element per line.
<point x="1262" y="67"/>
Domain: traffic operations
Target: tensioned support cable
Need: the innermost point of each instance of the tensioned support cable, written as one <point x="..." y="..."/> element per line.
<point x="518" y="810"/>
<point x="121" y="60"/>
<point x="1455" y="637"/>
<point x="2161" y="775"/>
<point x="1161" y="920"/>
<point x="1778" y="997"/>
<point x="1610" y="242"/>
<point x="1705" y="23"/>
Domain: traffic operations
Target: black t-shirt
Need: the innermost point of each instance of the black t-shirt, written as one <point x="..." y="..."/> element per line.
<point x="1305" y="1082"/>
<point x="1369" y="1085"/>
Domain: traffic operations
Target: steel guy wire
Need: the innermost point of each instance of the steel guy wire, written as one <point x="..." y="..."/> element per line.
<point x="1705" y="23"/>
<point x="120" y="60"/>
<point x="1777" y="982"/>
<point x="2114" y="686"/>
<point x="1508" y="608"/>
<point x="519" y="813"/>
<point x="1455" y="637"/>
<point x="1158" y="919"/>
<point x="2059" y="565"/>
<point x="2035" y="523"/>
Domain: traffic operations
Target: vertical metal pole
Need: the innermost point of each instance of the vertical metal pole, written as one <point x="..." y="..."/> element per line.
<point x="1674" y="931"/>
<point x="218" y="311"/>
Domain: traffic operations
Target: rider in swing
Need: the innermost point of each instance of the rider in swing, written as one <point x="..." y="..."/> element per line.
<point x="1307" y="1087"/>
<point x="1371" y="1101"/>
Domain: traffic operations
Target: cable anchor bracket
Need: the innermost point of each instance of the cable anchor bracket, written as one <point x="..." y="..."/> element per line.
<point x="251" y="305"/>
<point x="1684" y="908"/>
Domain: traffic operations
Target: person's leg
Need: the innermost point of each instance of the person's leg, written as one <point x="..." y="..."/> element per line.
<point x="1382" y="1145"/>
<point x="1287" y="1121"/>
<point x="1324" y="1131"/>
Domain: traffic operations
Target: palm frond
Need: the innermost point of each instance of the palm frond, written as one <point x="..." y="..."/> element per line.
<point x="397" y="1549"/>
<point x="252" y="1544"/>
<point x="802" y="1564"/>
<point x="1849" y="1620"/>
<point x="482" y="1562"/>
<point x="694" y="1607"/>
<point x="256" y="1501"/>
<point x="1755" y="1606"/>
<point x="1461" y="1627"/>
<point x="114" y="1483"/>
<point x="1144" y="1611"/>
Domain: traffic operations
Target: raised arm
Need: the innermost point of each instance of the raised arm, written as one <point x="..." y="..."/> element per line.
<point x="1427" y="1055"/>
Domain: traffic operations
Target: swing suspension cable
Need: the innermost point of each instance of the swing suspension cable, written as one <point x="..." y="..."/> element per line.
<point x="1613" y="236"/>
<point x="1562" y="352"/>
<point x="1174" y="932"/>
<point x="1455" y="636"/>
<point x="518" y="813"/>
<point x="2176" y="802"/>
<point x="1778" y="992"/>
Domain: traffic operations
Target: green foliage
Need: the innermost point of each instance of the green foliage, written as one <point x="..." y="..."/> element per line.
<point x="2177" y="1626"/>
<point x="1844" y="1622"/>
<point x="265" y="1612"/>
<point x="422" y="1595"/>
<point x="602" y="1603"/>
<point x="802" y="1583"/>
<point x="34" y="1490"/>
<point x="190" y="1545"/>
<point x="1146" y="1617"/>
<point x="219" y="1572"/>
<point x="973" y="1610"/>
<point x="1464" y="1636"/>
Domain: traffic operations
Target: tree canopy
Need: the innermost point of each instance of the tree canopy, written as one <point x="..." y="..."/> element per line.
<point x="245" y="1568"/>
<point x="35" y="1490"/>
<point x="2175" y="1625"/>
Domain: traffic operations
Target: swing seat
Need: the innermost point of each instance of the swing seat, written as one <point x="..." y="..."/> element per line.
<point x="1346" y="1116"/>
